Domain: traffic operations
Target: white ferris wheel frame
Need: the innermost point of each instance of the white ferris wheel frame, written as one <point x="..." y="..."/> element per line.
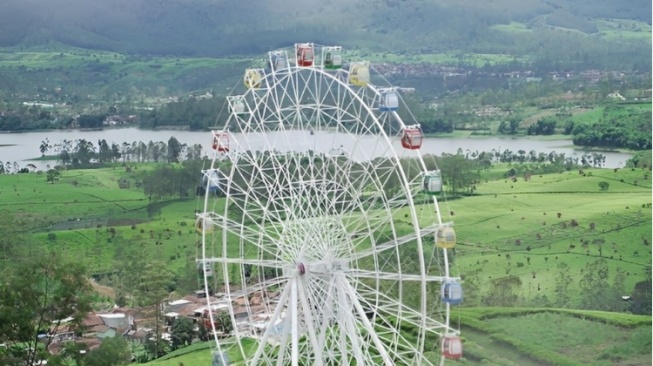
<point x="294" y="294"/>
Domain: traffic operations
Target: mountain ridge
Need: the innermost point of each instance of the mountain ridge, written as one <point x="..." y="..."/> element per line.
<point x="219" y="28"/>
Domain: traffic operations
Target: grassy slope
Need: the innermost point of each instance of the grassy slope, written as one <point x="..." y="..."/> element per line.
<point x="488" y="225"/>
<point x="619" y="221"/>
<point x="525" y="337"/>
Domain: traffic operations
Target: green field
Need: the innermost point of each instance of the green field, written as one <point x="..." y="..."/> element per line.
<point x="519" y="219"/>
<point x="520" y="228"/>
<point x="609" y="29"/>
<point x="521" y="337"/>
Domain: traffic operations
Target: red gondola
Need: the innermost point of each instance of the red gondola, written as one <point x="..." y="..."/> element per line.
<point x="220" y="141"/>
<point x="305" y="54"/>
<point x="452" y="347"/>
<point x="411" y="137"/>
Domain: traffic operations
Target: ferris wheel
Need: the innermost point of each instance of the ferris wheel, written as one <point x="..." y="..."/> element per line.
<point x="321" y="224"/>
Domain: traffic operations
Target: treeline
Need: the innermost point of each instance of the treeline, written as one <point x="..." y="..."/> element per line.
<point x="196" y="113"/>
<point x="632" y="131"/>
<point x="596" y="291"/>
<point x="83" y="153"/>
<point x="620" y="126"/>
<point x="35" y="118"/>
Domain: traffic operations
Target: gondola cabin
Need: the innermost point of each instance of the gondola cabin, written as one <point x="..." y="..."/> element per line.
<point x="252" y="79"/>
<point x="432" y="182"/>
<point x="237" y="106"/>
<point x="445" y="237"/>
<point x="332" y="58"/>
<point x="389" y="101"/>
<point x="359" y="74"/>
<point x="204" y="224"/>
<point x="452" y="347"/>
<point x="452" y="292"/>
<point x="213" y="181"/>
<point x="411" y="137"/>
<point x="305" y="54"/>
<point x="204" y="269"/>
<point x="220" y="141"/>
<point x="278" y="61"/>
<point x="219" y="359"/>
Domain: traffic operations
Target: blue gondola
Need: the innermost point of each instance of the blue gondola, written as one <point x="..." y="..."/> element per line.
<point x="389" y="101"/>
<point x="220" y="359"/>
<point x="451" y="292"/>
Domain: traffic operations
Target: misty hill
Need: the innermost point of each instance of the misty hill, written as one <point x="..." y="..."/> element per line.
<point x="227" y="27"/>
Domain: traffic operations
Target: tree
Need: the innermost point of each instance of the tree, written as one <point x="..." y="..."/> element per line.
<point x="594" y="287"/>
<point x="37" y="294"/>
<point x="113" y="351"/>
<point x="604" y="185"/>
<point x="641" y="297"/>
<point x="52" y="175"/>
<point x="174" y="149"/>
<point x="153" y="287"/>
<point x="182" y="332"/>
<point x="503" y="291"/>
<point x="562" y="282"/>
<point x="44" y="147"/>
<point x="459" y="173"/>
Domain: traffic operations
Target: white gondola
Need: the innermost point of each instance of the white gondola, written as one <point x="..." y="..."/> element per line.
<point x="279" y="61"/>
<point x="389" y="100"/>
<point x="432" y="182"/>
<point x="237" y="105"/>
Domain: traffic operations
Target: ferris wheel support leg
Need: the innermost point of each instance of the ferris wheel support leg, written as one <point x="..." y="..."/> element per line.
<point x="310" y="325"/>
<point x="284" y="342"/>
<point x="295" y="320"/>
<point x="268" y="328"/>
<point x="366" y="322"/>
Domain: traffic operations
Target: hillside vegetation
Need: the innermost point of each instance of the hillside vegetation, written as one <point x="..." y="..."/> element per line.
<point x="521" y="336"/>
<point x="588" y="31"/>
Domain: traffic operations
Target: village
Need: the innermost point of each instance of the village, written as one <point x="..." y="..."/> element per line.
<point x="142" y="325"/>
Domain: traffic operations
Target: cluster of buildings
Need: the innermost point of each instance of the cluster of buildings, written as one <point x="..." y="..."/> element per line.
<point x="138" y="325"/>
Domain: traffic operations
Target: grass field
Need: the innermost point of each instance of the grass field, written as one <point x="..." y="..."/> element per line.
<point x="521" y="337"/>
<point x="506" y="228"/>
<point x="521" y="228"/>
<point x="609" y="29"/>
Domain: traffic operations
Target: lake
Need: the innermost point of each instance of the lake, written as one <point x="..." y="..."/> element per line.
<point x="24" y="146"/>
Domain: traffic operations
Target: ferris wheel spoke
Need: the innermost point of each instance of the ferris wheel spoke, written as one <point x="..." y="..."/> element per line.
<point x="246" y="261"/>
<point x="361" y="273"/>
<point x="358" y="309"/>
<point x="268" y="329"/>
<point x="307" y="311"/>
<point x="390" y="305"/>
<point x="379" y="248"/>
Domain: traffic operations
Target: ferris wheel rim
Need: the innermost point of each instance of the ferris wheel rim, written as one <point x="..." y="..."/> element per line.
<point x="413" y="214"/>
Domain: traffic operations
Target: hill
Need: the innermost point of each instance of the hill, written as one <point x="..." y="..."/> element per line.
<point x="522" y="336"/>
<point x="578" y="30"/>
